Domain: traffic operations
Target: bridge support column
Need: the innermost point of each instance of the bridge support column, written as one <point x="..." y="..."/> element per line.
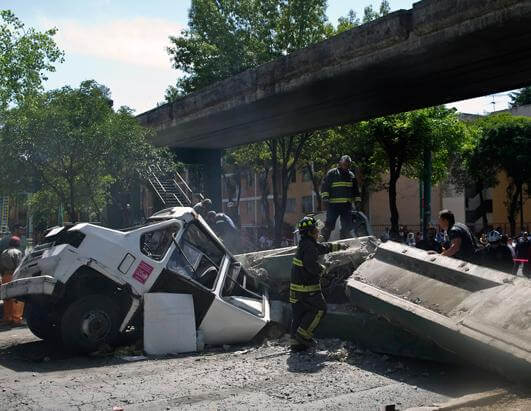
<point x="211" y="161"/>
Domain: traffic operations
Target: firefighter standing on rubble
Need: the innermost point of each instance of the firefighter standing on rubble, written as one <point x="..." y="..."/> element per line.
<point x="307" y="300"/>
<point x="339" y="191"/>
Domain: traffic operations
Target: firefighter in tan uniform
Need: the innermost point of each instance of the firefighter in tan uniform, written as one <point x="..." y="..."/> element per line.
<point x="307" y="300"/>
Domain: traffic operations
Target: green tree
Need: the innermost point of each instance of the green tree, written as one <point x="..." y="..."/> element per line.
<point x="403" y="138"/>
<point x="472" y="169"/>
<point x="226" y="37"/>
<point x="25" y="57"/>
<point x="254" y="158"/>
<point x="521" y="97"/>
<point x="72" y="146"/>
<point x="369" y="14"/>
<point x="506" y="144"/>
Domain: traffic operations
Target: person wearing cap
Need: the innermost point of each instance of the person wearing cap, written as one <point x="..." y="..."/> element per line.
<point x="307" y="300"/>
<point x="339" y="191"/>
<point x="9" y="261"/>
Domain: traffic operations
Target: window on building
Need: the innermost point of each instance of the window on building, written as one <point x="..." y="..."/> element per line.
<point x="307" y="204"/>
<point x="291" y="204"/>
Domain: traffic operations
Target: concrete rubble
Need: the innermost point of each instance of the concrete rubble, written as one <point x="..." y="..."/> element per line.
<point x="394" y="299"/>
<point x="481" y="315"/>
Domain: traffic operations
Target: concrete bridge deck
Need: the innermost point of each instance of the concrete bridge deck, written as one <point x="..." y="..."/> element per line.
<point x="437" y="52"/>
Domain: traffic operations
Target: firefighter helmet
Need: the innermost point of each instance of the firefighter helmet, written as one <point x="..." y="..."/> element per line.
<point x="307" y="223"/>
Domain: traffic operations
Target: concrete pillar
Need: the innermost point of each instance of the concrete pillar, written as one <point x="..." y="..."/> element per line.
<point x="211" y="160"/>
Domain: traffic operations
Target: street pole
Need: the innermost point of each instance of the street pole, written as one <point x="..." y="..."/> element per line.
<point x="421" y="203"/>
<point x="426" y="218"/>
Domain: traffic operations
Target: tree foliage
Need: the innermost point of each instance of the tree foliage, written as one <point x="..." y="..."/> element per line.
<point x="505" y="143"/>
<point x="404" y="137"/>
<point x="25" y="57"/>
<point x="226" y="37"/>
<point x="72" y="147"/>
<point x="521" y="97"/>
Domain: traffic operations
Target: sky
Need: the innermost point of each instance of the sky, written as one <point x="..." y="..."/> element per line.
<point x="122" y="44"/>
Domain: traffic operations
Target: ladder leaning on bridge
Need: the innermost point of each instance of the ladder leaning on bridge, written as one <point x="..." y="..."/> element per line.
<point x="172" y="190"/>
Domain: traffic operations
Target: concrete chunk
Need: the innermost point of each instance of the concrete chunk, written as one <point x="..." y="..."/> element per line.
<point x="482" y="315"/>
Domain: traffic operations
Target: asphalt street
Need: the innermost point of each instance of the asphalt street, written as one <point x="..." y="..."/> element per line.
<point x="37" y="375"/>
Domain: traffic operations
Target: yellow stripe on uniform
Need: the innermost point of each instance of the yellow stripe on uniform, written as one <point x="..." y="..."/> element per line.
<point x="341" y="184"/>
<point x="305" y="288"/>
<point x="325" y="194"/>
<point x="313" y="325"/>
<point x="339" y="200"/>
<point x="304" y="333"/>
<point x="297" y="262"/>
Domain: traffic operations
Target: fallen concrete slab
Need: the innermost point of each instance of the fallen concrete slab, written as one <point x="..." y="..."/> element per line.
<point x="481" y="315"/>
<point x="274" y="267"/>
<point x="342" y="320"/>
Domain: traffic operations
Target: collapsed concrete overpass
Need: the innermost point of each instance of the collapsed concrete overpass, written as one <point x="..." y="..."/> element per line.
<point x="437" y="52"/>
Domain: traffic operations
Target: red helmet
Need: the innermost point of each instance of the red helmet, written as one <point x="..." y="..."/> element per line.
<point x="14" y="241"/>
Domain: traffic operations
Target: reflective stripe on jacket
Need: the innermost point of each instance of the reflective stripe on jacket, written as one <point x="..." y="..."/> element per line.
<point x="340" y="187"/>
<point x="305" y="270"/>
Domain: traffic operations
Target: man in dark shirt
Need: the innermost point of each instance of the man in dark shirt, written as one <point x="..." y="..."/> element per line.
<point x="462" y="243"/>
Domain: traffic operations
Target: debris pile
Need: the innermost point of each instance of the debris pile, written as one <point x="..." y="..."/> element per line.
<point x="274" y="268"/>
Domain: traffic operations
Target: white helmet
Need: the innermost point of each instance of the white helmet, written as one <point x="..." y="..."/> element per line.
<point x="494" y="236"/>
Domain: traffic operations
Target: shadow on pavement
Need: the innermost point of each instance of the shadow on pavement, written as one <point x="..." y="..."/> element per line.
<point x="21" y="351"/>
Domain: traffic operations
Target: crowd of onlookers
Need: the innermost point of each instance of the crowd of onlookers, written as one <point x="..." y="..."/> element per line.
<point x="493" y="247"/>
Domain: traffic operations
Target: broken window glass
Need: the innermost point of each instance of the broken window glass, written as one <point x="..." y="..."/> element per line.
<point x="156" y="243"/>
<point x="242" y="290"/>
<point x="198" y="257"/>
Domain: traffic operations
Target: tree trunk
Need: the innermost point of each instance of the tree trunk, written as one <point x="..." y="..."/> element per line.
<point x="71" y="205"/>
<point x="316" y="187"/>
<point x="239" y="196"/>
<point x="264" y="190"/>
<point x="394" y="174"/>
<point x="482" y="207"/>
<point x="365" y="195"/>
<point x="522" y="207"/>
<point x="289" y="149"/>
<point x="512" y="210"/>
<point x="279" y="210"/>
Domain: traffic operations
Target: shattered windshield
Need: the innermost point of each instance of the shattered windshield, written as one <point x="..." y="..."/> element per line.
<point x="198" y="256"/>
